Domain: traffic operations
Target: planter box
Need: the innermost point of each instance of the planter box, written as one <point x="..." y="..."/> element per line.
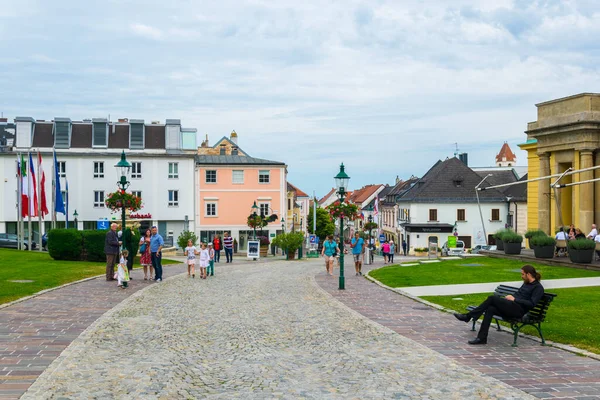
<point x="499" y="244"/>
<point x="581" y="256"/>
<point x="543" y="251"/>
<point x="512" y="248"/>
<point x="264" y="251"/>
<point x="420" y="254"/>
<point x="291" y="255"/>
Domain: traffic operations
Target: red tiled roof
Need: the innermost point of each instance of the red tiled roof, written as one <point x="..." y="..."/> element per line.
<point x="299" y="192"/>
<point x="332" y="191"/>
<point x="505" y="151"/>
<point x="361" y="195"/>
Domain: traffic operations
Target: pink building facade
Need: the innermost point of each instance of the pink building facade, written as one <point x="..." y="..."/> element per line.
<point x="229" y="182"/>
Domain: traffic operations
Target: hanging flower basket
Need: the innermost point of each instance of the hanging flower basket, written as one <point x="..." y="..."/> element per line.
<point x="117" y="200"/>
<point x="343" y="210"/>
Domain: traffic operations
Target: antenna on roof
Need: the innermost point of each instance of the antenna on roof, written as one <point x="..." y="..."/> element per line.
<point x="456" y="149"/>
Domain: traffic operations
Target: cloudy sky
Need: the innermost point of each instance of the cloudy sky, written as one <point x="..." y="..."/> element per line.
<point x="387" y="87"/>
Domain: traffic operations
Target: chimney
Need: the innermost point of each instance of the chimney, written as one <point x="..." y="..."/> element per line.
<point x="464" y="157"/>
<point x="233" y="137"/>
<point x="123" y="120"/>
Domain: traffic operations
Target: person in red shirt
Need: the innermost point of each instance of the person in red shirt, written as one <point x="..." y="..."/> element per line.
<point x="217" y="246"/>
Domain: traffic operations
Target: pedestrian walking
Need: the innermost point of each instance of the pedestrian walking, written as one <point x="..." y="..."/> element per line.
<point x="328" y="251"/>
<point x="127" y="239"/>
<point x="211" y="262"/>
<point x="385" y="250"/>
<point x="357" y="246"/>
<point x="122" y="271"/>
<point x="204" y="259"/>
<point x="146" y="256"/>
<point x="217" y="246"/>
<point x="392" y="251"/>
<point x="191" y="252"/>
<point x="111" y="249"/>
<point x="228" y="246"/>
<point x="156" y="245"/>
<point x="404" y="247"/>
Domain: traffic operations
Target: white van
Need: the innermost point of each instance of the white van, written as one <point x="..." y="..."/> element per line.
<point x="454" y="251"/>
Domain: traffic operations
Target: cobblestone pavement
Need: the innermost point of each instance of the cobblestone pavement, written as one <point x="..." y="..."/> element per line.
<point x="254" y="331"/>
<point x="542" y="371"/>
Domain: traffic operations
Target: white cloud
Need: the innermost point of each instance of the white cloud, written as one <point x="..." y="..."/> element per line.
<point x="146" y="31"/>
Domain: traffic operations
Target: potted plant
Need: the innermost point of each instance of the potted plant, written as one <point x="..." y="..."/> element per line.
<point x="264" y="245"/>
<point x="532" y="233"/>
<point x="498" y="238"/>
<point x="289" y="242"/>
<point x="117" y="200"/>
<point x="543" y="246"/>
<point x="420" y="251"/>
<point x="581" y="251"/>
<point x="512" y="242"/>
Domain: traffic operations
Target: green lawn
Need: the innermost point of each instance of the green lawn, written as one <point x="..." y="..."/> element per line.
<point x="457" y="272"/>
<point x="572" y="317"/>
<point x="44" y="271"/>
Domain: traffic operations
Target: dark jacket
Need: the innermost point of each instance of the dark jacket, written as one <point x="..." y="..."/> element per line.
<point x="529" y="295"/>
<point x="111" y="243"/>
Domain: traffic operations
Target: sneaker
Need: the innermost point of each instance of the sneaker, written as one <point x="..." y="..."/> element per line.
<point x="159" y="280"/>
<point x="194" y="276"/>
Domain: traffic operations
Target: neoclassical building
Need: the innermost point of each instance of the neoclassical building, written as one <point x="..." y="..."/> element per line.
<point x="565" y="135"/>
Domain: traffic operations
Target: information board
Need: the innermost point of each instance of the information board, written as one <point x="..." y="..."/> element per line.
<point x="102" y="224"/>
<point x="253" y="249"/>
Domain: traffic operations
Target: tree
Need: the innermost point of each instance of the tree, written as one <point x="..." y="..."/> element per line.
<point x="325" y="225"/>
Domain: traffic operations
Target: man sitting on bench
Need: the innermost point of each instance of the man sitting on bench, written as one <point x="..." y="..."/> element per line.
<point x="528" y="295"/>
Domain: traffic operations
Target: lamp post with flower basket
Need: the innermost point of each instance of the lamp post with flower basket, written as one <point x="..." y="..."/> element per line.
<point x="342" y="210"/>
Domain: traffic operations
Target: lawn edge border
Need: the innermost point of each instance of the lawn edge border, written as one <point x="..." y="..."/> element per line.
<point x="41" y="292"/>
<point x="561" y="346"/>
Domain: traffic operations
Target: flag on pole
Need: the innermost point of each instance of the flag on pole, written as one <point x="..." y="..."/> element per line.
<point x="59" y="205"/>
<point x="42" y="199"/>
<point x="24" y="191"/>
<point x="67" y="202"/>
<point x="33" y="201"/>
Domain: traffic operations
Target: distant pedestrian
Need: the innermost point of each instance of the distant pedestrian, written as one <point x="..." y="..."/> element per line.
<point x="111" y="249"/>
<point x="191" y="252"/>
<point x="385" y="250"/>
<point x="328" y="251"/>
<point x="404" y="247"/>
<point x="146" y="256"/>
<point x="204" y="259"/>
<point x="122" y="271"/>
<point x="211" y="262"/>
<point x="156" y="245"/>
<point x="228" y="246"/>
<point x="357" y="244"/>
<point x="217" y="246"/>
<point x="392" y="251"/>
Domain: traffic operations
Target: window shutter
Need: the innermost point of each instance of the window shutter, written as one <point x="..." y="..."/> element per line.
<point x="99" y="132"/>
<point x="62" y="133"/>
<point x="136" y="136"/>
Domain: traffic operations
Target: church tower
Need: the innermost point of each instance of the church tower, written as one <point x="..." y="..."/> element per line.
<point x="506" y="158"/>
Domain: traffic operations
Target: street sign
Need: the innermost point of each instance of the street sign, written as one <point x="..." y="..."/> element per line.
<point x="102" y="224"/>
<point x="382" y="238"/>
<point x="314" y="239"/>
<point x="272" y="235"/>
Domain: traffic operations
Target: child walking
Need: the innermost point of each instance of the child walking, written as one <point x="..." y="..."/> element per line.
<point x="211" y="262"/>
<point x="191" y="252"/>
<point x="122" y="272"/>
<point x="204" y="259"/>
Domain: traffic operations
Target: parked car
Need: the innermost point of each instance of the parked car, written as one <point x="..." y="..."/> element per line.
<point x="453" y="251"/>
<point x="479" y="247"/>
<point x="10" y="240"/>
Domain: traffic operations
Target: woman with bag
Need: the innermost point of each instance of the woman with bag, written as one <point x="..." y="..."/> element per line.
<point x="145" y="256"/>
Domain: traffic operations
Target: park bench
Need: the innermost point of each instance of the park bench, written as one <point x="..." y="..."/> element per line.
<point x="533" y="317"/>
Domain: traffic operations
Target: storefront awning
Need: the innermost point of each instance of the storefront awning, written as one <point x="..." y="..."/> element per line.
<point x="428" y="228"/>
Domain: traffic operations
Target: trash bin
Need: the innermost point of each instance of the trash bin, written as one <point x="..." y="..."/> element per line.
<point x="368" y="256"/>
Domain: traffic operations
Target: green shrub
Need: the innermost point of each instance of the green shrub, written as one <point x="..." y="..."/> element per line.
<point x="579" y="244"/>
<point x="183" y="238"/>
<point x="498" y="234"/>
<point x="93" y="244"/>
<point x="289" y="242"/>
<point x="135" y="240"/>
<point x="511" y="237"/>
<point x="65" y="244"/>
<point x="421" y="249"/>
<point x="534" y="232"/>
<point x="543" y="241"/>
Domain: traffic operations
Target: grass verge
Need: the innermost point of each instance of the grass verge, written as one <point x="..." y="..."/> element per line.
<point x="476" y="270"/>
<point x="44" y="271"/>
<point x="572" y="317"/>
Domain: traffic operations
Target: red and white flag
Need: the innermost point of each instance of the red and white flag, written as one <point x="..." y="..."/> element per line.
<point x="42" y="199"/>
<point x="33" y="200"/>
<point x="24" y="192"/>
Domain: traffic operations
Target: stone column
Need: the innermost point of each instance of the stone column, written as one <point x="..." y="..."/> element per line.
<point x="586" y="192"/>
<point x="544" y="194"/>
<point x="597" y="191"/>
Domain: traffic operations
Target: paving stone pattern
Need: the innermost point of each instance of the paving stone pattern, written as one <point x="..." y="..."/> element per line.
<point x="542" y="371"/>
<point x="255" y="331"/>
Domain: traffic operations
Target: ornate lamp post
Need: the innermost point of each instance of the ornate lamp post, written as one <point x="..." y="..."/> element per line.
<point x="341" y="182"/>
<point x="75" y="215"/>
<point x="282" y="224"/>
<point x="124" y="168"/>
<point x="254" y="214"/>
<point x="370" y="209"/>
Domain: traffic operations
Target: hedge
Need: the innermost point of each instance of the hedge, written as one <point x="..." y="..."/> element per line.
<point x="93" y="243"/>
<point x="540" y="240"/>
<point x="581" y="244"/>
<point x="65" y="244"/>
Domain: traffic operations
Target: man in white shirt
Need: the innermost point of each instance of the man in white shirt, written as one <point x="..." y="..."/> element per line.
<point x="593" y="233"/>
<point x="561" y="235"/>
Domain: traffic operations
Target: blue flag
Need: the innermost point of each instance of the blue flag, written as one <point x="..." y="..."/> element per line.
<point x="59" y="205"/>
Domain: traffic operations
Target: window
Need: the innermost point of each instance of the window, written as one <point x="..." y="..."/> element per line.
<point x="222" y="151"/>
<point x="238" y="176"/>
<point x="62" y="169"/>
<point x="99" y="132"/>
<point x="211" y="209"/>
<point x="99" y="199"/>
<point x="137" y="193"/>
<point x="264" y="176"/>
<point x="173" y="170"/>
<point x="495" y="214"/>
<point x="433" y="214"/>
<point x="460" y="214"/>
<point x="211" y="176"/>
<point x="173" y="198"/>
<point x="466" y="240"/>
<point x="136" y="169"/>
<point x="234" y="151"/>
<point x="136" y="135"/>
<point x="264" y="209"/>
<point x="98" y="169"/>
<point x="289" y="204"/>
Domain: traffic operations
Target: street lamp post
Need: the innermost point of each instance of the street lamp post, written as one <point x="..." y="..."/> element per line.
<point x="341" y="182"/>
<point x="282" y="224"/>
<point x="124" y="168"/>
<point x="254" y="214"/>
<point x="75" y="215"/>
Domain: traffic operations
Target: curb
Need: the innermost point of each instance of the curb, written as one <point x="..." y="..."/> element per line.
<point x="549" y="343"/>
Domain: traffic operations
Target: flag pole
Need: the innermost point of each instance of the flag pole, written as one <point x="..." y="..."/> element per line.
<point x="41" y="227"/>
<point x="29" y="206"/>
<point x="53" y="217"/>
<point x="19" y="203"/>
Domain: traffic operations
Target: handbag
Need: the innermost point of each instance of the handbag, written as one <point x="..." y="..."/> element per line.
<point x="143" y="248"/>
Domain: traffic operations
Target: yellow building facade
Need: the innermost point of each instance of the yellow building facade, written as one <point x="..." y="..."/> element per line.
<point x="565" y="135"/>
